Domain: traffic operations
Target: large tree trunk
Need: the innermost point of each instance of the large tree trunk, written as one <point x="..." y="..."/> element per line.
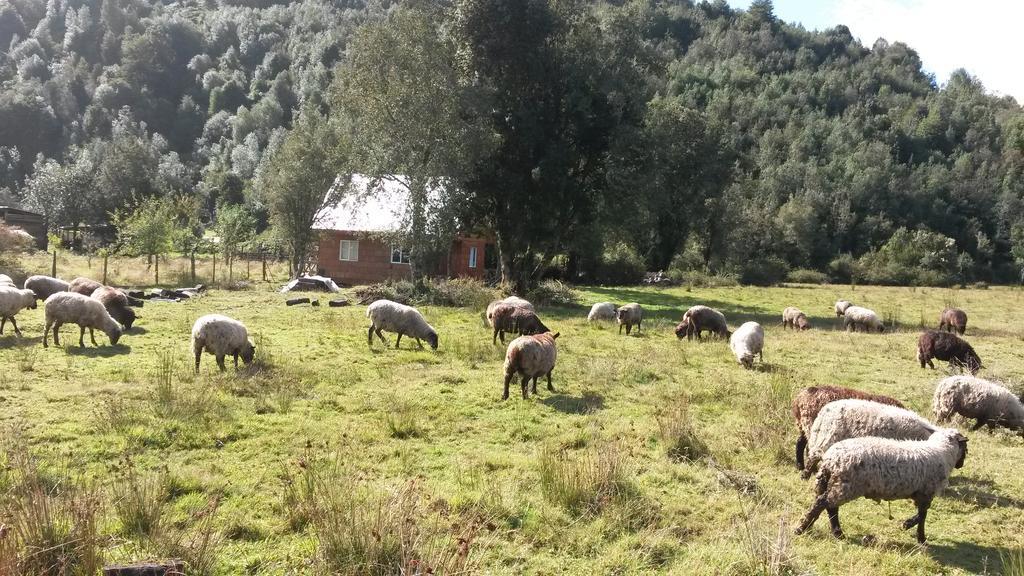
<point x="418" y="233"/>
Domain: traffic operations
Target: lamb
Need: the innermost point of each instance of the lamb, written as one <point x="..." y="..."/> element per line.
<point x="810" y="401"/>
<point x="886" y="469"/>
<point x="795" y="319"/>
<point x="73" y="308"/>
<point x="221" y="336"/>
<point x="747" y="342"/>
<point x="116" y="303"/>
<point x="511" y="301"/>
<point x="83" y="286"/>
<point x="530" y="356"/>
<point x="602" y="311"/>
<point x="508" y="318"/>
<point x="990" y="403"/>
<point x="855" y="317"/>
<point x="6" y="282"/>
<point x="953" y="319"/>
<point x="12" y="301"/>
<point x="389" y="316"/>
<point x="628" y="316"/>
<point x="855" y="418"/>
<point x="949" y="347"/>
<point x="45" y="286"/>
<point x="841" y="306"/>
<point x="699" y="319"/>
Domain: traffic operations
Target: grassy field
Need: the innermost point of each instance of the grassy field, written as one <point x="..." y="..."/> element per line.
<point x="652" y="456"/>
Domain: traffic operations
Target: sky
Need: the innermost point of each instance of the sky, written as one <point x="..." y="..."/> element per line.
<point x="985" y="37"/>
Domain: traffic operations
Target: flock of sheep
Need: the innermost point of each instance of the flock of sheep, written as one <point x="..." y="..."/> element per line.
<point x="860" y="444"/>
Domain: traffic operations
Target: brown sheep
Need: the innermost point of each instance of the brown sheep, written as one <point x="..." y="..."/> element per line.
<point x="795" y="319"/>
<point x="949" y="347"/>
<point x="83" y="286"/>
<point x="508" y="318"/>
<point x="953" y="320"/>
<point x="530" y="357"/>
<point x="629" y="315"/>
<point x="116" y="303"/>
<point x="699" y="319"/>
<point x="809" y="401"/>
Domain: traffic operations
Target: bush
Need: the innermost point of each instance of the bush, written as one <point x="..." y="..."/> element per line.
<point x="462" y="292"/>
<point x="553" y="293"/>
<point x="402" y="291"/>
<point x="765" y="271"/>
<point x="621" y="265"/>
<point x="918" y="258"/>
<point x="700" y="279"/>
<point x="843" y="269"/>
<point x="806" y="276"/>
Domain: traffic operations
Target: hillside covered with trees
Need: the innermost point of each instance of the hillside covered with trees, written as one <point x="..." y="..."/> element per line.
<point x="592" y="140"/>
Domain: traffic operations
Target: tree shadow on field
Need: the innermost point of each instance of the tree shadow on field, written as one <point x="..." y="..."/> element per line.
<point x="104" y="351"/>
<point x="967" y="556"/>
<point x="12" y="341"/>
<point x="587" y="402"/>
<point x="980" y="493"/>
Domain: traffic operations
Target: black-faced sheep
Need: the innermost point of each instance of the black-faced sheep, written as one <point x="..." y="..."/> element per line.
<point x="629" y="315"/>
<point x="83" y="286"/>
<point x="45" y="286"/>
<point x="73" y="308"/>
<point x="971" y="397"/>
<point x="514" y="319"/>
<point x="953" y="320"/>
<point x="886" y="469"/>
<point x="856" y="317"/>
<point x="12" y="301"/>
<point x="747" y="342"/>
<point x="221" y="336"/>
<point x="511" y="301"/>
<point x="809" y="402"/>
<point x="795" y="319"/>
<point x="841" y="306"/>
<point x="601" y="311"/>
<point x="531" y="357"/>
<point x="388" y="316"/>
<point x="116" y="303"/>
<point x="699" y="319"/>
<point x="855" y="418"/>
<point x="948" y="347"/>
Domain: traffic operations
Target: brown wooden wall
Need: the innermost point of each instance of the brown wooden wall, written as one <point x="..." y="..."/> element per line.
<point x="375" y="265"/>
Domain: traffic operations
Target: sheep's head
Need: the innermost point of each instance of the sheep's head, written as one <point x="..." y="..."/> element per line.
<point x="114" y="334"/>
<point x="682" y="327"/>
<point x="432" y="340"/>
<point x="802" y="323"/>
<point x="248" y="352"/>
<point x="962" y="442"/>
<point x="127" y="318"/>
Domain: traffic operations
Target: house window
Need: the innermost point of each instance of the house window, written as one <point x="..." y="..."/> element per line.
<point x="472" y="256"/>
<point x="349" y="251"/>
<point x="399" y="255"/>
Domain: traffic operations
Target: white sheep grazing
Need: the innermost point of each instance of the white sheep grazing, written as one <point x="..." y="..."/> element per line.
<point x="531" y="357"/>
<point x="841" y="306"/>
<point x="404" y="320"/>
<point x="221" y="336"/>
<point x="45" y="286"/>
<point x="856" y="418"/>
<point x="511" y="301"/>
<point x="72" y="308"/>
<point x="629" y="315"/>
<point x="601" y="311"/>
<point x="12" y="301"/>
<point x="746" y="342"/>
<point x="886" y="469"/>
<point x="857" y="317"/>
<point x="971" y="397"/>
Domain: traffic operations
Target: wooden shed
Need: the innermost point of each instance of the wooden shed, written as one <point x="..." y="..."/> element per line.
<point x="30" y="222"/>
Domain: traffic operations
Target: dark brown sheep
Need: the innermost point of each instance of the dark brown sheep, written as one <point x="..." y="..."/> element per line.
<point x="810" y="401"/>
<point x="116" y="303"/>
<point x="953" y="320"/>
<point x="508" y="318"/>
<point x="700" y="319"/>
<point x="83" y="286"/>
<point x="949" y="347"/>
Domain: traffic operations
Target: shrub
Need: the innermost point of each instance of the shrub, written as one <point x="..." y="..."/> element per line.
<point x="138" y="502"/>
<point x="401" y="291"/>
<point x="553" y="293"/>
<point x="462" y="292"/>
<point x="843" y="269"/>
<point x="700" y="279"/>
<point x="806" y="276"/>
<point x="764" y="271"/>
<point x="917" y="258"/>
<point x="621" y="265"/>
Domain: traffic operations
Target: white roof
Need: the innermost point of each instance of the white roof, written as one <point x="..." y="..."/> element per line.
<point x="366" y="209"/>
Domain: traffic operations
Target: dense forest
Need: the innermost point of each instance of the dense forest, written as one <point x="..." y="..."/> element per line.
<point x="593" y="140"/>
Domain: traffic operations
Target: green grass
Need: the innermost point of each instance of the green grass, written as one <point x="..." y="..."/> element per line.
<point x="653" y="456"/>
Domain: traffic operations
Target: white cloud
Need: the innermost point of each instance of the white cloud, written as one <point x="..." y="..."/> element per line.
<point x="985" y="37"/>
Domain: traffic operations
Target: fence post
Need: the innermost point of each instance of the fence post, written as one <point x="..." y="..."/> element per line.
<point x="53" y="266"/>
<point x="264" y="267"/>
<point x="157" y="268"/>
<point x="104" y="268"/>
<point x="192" y="259"/>
<point x="214" y="281"/>
<point x="247" y="262"/>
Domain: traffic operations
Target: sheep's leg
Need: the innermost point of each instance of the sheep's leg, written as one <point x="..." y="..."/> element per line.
<point x="978" y="425"/>
<point x="918" y="519"/>
<point x="833" y="520"/>
<point x="419" y="344"/>
<point x="501" y="336"/>
<point x="220" y="362"/>
<point x="931" y="364"/>
<point x="801" y="445"/>
<point x="494" y="337"/>
<point x="398" y="341"/>
<point x="508" y="378"/>
<point x="3" y="321"/>
<point x="81" y="336"/>
<point x="526" y="387"/>
<point x="550" y="387"/>
<point x="236" y="359"/>
<point x="56" y="330"/>
<point x="380" y="335"/>
<point x="46" y="336"/>
<point x="369" y="336"/>
<point x="638" y="324"/>
<point x="816" y="509"/>
<point x="15" y="324"/>
<point x="628" y="328"/>
<point x="620" y="329"/>
<point x="92" y="336"/>
<point x="534" y="385"/>
<point x="199" y="354"/>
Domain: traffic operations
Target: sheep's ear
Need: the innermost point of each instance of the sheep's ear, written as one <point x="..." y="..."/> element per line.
<point x="556" y="335"/>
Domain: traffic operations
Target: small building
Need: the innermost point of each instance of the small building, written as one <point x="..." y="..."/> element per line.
<point x="30" y="222"/>
<point x="353" y="246"/>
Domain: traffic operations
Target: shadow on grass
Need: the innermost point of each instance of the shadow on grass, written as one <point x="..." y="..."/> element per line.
<point x="967" y="556"/>
<point x="101" y="352"/>
<point x="586" y="403"/>
<point x="12" y="341"/>
<point x="979" y="493"/>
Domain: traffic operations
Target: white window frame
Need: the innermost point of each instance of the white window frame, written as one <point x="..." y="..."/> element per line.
<point x="403" y="255"/>
<point x="353" y="251"/>
<point x="472" y="256"/>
